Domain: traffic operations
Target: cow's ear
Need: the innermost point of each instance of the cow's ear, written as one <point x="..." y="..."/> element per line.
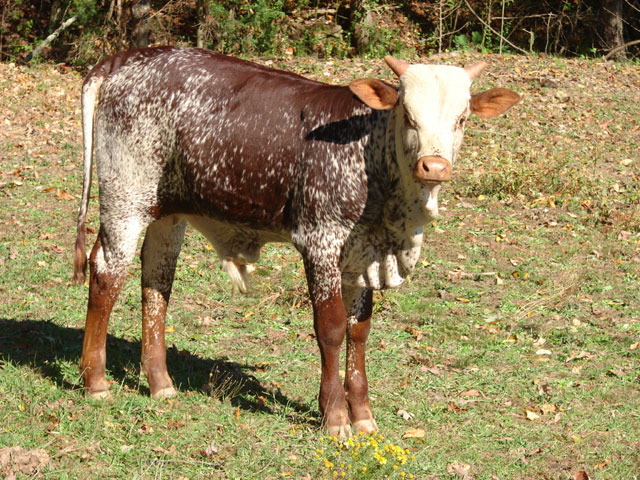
<point x="493" y="102"/>
<point x="375" y="93"/>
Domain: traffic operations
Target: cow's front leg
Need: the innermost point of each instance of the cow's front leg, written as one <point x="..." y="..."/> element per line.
<point x="160" y="252"/>
<point x="330" y="324"/>
<point x="358" y="303"/>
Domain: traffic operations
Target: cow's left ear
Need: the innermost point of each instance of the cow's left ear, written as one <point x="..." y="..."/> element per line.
<point x="493" y="102"/>
<point x="375" y="93"/>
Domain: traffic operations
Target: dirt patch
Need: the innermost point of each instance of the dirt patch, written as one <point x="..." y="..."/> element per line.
<point x="17" y="459"/>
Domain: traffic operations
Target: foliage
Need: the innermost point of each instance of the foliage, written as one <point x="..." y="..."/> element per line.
<point x="322" y="28"/>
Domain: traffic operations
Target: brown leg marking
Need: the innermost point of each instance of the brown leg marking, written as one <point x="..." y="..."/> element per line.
<point x="103" y="291"/>
<point x="330" y="323"/>
<point x="359" y="304"/>
<point x="160" y="252"/>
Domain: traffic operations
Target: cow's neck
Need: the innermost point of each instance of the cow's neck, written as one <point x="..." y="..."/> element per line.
<point x="384" y="248"/>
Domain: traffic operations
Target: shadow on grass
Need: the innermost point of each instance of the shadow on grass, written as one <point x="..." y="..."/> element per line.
<point x="46" y="346"/>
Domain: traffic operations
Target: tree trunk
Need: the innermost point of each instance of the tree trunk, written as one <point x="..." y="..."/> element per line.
<point x="201" y="13"/>
<point x="140" y="23"/>
<point x="361" y="24"/>
<point x="612" y="26"/>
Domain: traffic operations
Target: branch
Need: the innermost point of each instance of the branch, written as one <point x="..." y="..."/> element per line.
<point x="490" y="28"/>
<point x="615" y="50"/>
<point x="50" y="38"/>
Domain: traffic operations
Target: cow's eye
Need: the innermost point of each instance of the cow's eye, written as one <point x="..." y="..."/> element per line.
<point x="461" y="122"/>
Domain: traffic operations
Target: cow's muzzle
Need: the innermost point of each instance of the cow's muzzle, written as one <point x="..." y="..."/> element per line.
<point x="432" y="169"/>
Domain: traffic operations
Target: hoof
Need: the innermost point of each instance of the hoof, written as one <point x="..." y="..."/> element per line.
<point x="164" y="393"/>
<point x="365" y="426"/>
<point x="343" y="432"/>
<point x="99" y="395"/>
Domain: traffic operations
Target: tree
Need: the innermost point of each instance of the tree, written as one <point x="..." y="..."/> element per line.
<point x="361" y="24"/>
<point x="139" y="23"/>
<point x="613" y="26"/>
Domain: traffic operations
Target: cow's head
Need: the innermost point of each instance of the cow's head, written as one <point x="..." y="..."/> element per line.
<point x="430" y="107"/>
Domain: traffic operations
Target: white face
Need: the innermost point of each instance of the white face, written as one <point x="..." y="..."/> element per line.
<point x="432" y="108"/>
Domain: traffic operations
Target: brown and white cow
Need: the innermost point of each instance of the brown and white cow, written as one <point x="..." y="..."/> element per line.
<point x="249" y="155"/>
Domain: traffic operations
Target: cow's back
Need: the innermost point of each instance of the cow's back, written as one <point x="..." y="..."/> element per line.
<point x="233" y="140"/>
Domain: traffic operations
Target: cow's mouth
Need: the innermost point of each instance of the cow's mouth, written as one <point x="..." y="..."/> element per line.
<point x="432" y="170"/>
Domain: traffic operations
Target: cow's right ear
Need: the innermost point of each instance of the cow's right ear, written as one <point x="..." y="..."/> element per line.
<point x="375" y="93"/>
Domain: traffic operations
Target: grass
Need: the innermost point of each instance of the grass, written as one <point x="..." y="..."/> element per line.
<point x="513" y="349"/>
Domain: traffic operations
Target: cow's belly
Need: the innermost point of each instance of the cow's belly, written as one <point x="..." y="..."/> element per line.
<point x="234" y="242"/>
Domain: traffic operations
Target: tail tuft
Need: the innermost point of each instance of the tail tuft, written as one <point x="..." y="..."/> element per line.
<point x="80" y="259"/>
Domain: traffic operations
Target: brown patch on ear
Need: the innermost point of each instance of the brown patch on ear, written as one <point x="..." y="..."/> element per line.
<point x="375" y="93"/>
<point x="493" y="102"/>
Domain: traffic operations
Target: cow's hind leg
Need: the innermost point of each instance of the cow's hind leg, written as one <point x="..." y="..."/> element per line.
<point x="111" y="255"/>
<point x="160" y="251"/>
<point x="358" y="303"/>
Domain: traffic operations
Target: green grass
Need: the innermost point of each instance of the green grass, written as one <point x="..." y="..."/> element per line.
<point x="514" y="346"/>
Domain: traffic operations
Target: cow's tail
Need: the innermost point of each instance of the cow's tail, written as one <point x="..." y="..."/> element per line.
<point x="90" y="90"/>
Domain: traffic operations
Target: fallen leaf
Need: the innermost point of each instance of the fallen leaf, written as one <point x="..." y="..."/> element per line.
<point x="211" y="450"/>
<point x="404" y="414"/>
<point x="171" y="452"/>
<point x="581" y="475"/>
<point x="126" y="448"/>
<point x="177" y="424"/>
<point x="415" y="332"/>
<point x="414" y="433"/>
<point x="470" y="393"/>
<point x="543" y="351"/>
<point x="531" y="414"/>
<point x="64" y="195"/>
<point x="460" y="469"/>
<point x="432" y="370"/>
<point x="616" y="371"/>
<point x="578" y="356"/>
<point x="169" y="329"/>
<point x="547" y="408"/>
